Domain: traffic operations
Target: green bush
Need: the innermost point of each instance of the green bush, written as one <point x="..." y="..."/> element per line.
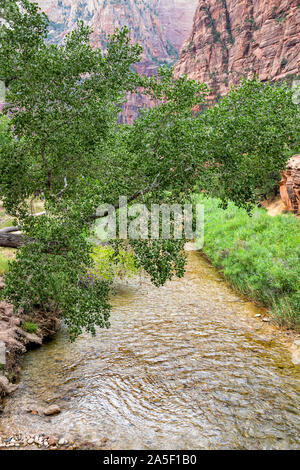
<point x="107" y="263"/>
<point x="29" y="327"/>
<point x="258" y="254"/>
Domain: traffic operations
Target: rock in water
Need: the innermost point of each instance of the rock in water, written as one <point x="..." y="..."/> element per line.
<point x="6" y="386"/>
<point x="52" y="410"/>
<point x="296" y="352"/>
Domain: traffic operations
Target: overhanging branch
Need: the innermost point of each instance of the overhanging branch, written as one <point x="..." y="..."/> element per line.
<point x="134" y="196"/>
<point x="10" y="239"/>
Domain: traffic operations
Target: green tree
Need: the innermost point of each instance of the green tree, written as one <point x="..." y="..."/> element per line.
<point x="68" y="149"/>
<point x="249" y="136"/>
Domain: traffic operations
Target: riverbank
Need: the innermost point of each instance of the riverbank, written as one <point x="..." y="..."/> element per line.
<point x="258" y="255"/>
<point x="18" y="334"/>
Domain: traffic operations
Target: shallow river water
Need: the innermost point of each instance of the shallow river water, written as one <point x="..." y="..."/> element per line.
<point x="186" y="366"/>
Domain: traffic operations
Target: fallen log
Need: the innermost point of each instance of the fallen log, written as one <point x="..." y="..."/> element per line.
<point x="11" y="240"/>
<point x="9" y="229"/>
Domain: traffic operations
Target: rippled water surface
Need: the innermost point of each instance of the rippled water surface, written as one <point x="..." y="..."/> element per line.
<point x="186" y="366"/>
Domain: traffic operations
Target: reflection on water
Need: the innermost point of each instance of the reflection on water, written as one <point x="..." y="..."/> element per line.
<point x="186" y="366"/>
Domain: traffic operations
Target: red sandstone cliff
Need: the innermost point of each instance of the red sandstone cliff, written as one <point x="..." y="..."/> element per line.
<point x="290" y="185"/>
<point x="235" y="38"/>
<point x="160" y="26"/>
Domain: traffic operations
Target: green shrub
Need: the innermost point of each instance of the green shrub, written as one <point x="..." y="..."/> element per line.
<point x="29" y="327"/>
<point x="258" y="254"/>
<point x="108" y="264"/>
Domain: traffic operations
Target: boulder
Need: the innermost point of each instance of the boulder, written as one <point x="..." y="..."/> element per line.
<point x="6" y="387"/>
<point x="290" y="185"/>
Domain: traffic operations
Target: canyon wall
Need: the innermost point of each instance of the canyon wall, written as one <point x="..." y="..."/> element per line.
<point x="231" y="39"/>
<point x="290" y="185"/>
<point x="160" y="26"/>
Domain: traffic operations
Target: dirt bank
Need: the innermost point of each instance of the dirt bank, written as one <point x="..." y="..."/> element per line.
<point x="15" y="341"/>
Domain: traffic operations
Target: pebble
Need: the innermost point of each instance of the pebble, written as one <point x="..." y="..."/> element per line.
<point x="40" y="441"/>
<point x="52" y="441"/>
<point x="62" y="442"/>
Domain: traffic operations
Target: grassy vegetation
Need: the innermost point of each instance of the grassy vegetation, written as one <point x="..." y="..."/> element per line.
<point x="259" y="255"/>
<point x="3" y="264"/>
<point x="29" y="327"/>
<point x="5" y="220"/>
<point x="5" y="253"/>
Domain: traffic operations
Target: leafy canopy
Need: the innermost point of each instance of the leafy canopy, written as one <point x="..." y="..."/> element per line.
<point x="63" y="144"/>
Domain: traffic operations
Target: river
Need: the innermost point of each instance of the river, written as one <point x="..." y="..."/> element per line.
<point x="186" y="366"/>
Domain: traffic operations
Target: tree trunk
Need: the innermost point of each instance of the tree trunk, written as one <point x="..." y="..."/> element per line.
<point x="10" y="240"/>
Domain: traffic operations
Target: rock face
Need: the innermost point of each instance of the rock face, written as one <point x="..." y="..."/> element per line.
<point x="14" y="342"/>
<point x="235" y="38"/>
<point x="290" y="185"/>
<point x="160" y="26"/>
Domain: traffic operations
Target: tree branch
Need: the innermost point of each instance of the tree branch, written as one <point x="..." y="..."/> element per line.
<point x="63" y="189"/>
<point x="134" y="196"/>
<point x="10" y="240"/>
